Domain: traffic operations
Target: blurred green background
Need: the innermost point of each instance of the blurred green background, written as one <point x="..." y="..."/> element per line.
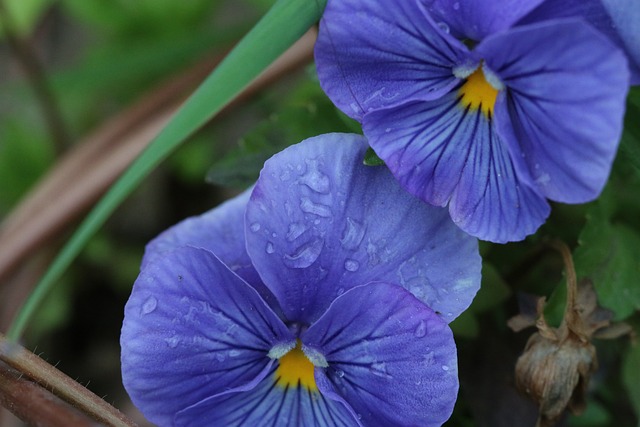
<point x="101" y="57"/>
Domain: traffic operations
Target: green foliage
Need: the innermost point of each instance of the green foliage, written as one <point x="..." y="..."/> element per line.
<point x="372" y="159"/>
<point x="140" y="16"/>
<point x="630" y="143"/>
<point x="24" y="155"/>
<point x="493" y="292"/>
<point x="608" y="255"/>
<point x="303" y="113"/>
<point x="631" y="374"/>
<point x="24" y="15"/>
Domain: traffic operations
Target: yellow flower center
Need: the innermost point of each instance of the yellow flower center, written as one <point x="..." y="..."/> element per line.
<point x="295" y="370"/>
<point x="477" y="93"/>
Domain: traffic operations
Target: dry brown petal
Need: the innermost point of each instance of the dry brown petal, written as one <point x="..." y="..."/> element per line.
<point x="557" y="363"/>
<point x="555" y="375"/>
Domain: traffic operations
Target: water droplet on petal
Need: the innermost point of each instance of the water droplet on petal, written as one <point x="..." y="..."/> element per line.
<point x="255" y="227"/>
<point x="380" y="369"/>
<point x="306" y="254"/>
<point x="340" y="291"/>
<point x="315" y="208"/>
<point x="421" y="329"/>
<point x="234" y="353"/>
<point x="295" y="230"/>
<point x="351" y="265"/>
<point x="352" y="235"/>
<point x="443" y="26"/>
<point x="269" y="248"/>
<point x="173" y="341"/>
<point x="445" y="368"/>
<point x="314" y="179"/>
<point x="220" y="357"/>
<point x="339" y="373"/>
<point x="149" y="305"/>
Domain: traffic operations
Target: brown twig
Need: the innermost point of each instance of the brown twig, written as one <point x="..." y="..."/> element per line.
<point x="37" y="79"/>
<point x="35" y="405"/>
<point x="51" y="379"/>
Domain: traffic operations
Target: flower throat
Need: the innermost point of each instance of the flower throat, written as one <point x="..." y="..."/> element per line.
<point x="295" y="370"/>
<point x="477" y="93"/>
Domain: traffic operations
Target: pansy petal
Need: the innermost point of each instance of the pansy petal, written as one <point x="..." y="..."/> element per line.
<point x="373" y="54"/>
<point x="625" y="17"/>
<point x="564" y="104"/>
<point x="494" y="199"/>
<point x="192" y="329"/>
<point x="619" y="20"/>
<point x="266" y="405"/>
<point x="476" y="19"/>
<point x="424" y="145"/>
<point x="445" y="153"/>
<point x="390" y="356"/>
<point x="321" y="223"/>
<point x="220" y="230"/>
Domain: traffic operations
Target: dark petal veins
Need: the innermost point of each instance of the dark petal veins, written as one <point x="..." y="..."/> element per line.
<point x="565" y="102"/>
<point x="193" y="329"/>
<point x="374" y="54"/>
<point x="268" y="405"/>
<point x="391" y="358"/>
<point x="445" y="153"/>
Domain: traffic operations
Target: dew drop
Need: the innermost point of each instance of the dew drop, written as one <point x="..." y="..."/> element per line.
<point x="339" y="373"/>
<point x="269" y="248"/>
<point x="445" y="368"/>
<point x="173" y="341"/>
<point x="352" y="235"/>
<point x="351" y="265"/>
<point x="220" y="357"/>
<point x="306" y="254"/>
<point x="255" y="227"/>
<point x="314" y="179"/>
<point x="234" y="353"/>
<point x="315" y="208"/>
<point x="421" y="329"/>
<point x="149" y="305"/>
<point x="380" y="369"/>
<point x="340" y="291"/>
<point x="295" y="230"/>
<point x="443" y="26"/>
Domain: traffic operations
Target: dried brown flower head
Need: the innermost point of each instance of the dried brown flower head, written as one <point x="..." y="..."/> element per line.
<point x="557" y="363"/>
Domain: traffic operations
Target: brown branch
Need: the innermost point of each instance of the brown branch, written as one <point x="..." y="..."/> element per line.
<point x="60" y="385"/>
<point x="86" y="172"/>
<point x="34" y="404"/>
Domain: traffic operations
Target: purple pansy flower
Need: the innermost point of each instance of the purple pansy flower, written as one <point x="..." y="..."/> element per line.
<point x="334" y="312"/>
<point x="471" y="109"/>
